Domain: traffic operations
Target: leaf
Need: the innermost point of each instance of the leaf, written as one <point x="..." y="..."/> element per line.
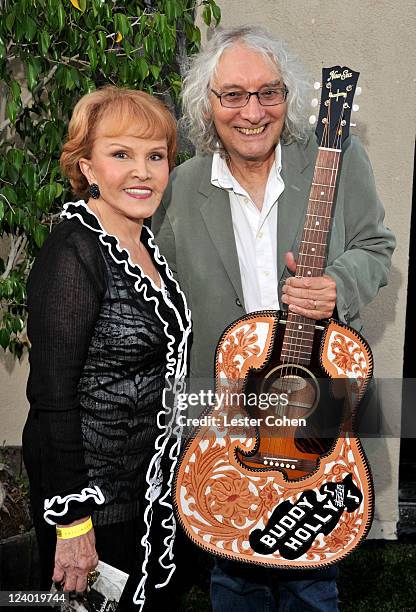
<point x="76" y="4"/>
<point x="30" y="28"/>
<point x="142" y="67"/>
<point x="33" y="68"/>
<point x="15" y="157"/>
<point x="11" y="110"/>
<point x="206" y="15"/>
<point x="149" y="45"/>
<point x="155" y="70"/>
<point x="170" y="11"/>
<point x="1" y="210"/>
<point x="46" y="195"/>
<point x="92" y="54"/>
<point x="2" y="49"/>
<point x="40" y="233"/>
<point x="102" y="40"/>
<point x="119" y="37"/>
<point x="216" y="11"/>
<point x="69" y="81"/>
<point x="4" y="338"/>
<point x="122" y="24"/>
<point x="10" y="21"/>
<point x="28" y="176"/>
<point x="60" y="13"/>
<point x="9" y="194"/>
<point x="44" y="41"/>
<point x="75" y="76"/>
<point x="16" y="91"/>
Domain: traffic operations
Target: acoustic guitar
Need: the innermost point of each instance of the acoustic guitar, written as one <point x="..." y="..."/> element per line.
<point x="277" y="476"/>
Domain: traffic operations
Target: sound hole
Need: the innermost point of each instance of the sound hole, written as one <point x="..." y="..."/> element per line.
<point x="289" y="433"/>
<point x="296" y="383"/>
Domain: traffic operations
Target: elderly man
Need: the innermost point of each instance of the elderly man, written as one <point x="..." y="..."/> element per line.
<point x="230" y="226"/>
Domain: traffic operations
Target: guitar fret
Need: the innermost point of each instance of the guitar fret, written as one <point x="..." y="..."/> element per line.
<point x="297" y="350"/>
<point x="326" y="207"/>
<point x="293" y="343"/>
<point x="298" y="360"/>
<point x="300" y="319"/>
<point x="314" y="229"/>
<point x="315" y="243"/>
<point x="316" y="215"/>
<point x="310" y="255"/>
<point x="320" y="201"/>
<point x="285" y="353"/>
<point x="299" y="337"/>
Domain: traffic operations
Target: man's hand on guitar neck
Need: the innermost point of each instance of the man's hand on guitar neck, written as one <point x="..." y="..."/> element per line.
<point x="314" y="298"/>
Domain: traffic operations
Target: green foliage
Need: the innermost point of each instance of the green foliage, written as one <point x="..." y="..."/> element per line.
<point x="51" y="53"/>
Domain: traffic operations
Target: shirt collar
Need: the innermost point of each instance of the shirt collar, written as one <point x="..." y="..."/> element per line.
<point x="221" y="175"/>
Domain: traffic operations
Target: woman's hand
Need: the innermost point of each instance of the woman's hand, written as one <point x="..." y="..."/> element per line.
<point x="74" y="558"/>
<point x="314" y="298"/>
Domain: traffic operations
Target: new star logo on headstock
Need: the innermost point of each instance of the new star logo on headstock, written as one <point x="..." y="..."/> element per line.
<point x="338" y="90"/>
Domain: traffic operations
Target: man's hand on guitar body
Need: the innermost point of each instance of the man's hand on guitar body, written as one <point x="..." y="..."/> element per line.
<point x="314" y="298"/>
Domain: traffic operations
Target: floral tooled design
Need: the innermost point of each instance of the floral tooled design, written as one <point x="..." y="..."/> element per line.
<point x="224" y="506"/>
<point x="342" y="535"/>
<point x="231" y="498"/>
<point x="269" y="497"/>
<point x="243" y="344"/>
<point x="348" y="356"/>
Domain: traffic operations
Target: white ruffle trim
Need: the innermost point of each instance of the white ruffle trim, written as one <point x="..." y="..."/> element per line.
<point x="175" y="383"/>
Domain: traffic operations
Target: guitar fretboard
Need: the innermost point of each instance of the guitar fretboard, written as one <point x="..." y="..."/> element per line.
<point x="299" y="333"/>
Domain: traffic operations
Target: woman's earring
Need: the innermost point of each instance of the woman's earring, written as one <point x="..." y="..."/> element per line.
<point x="94" y="191"/>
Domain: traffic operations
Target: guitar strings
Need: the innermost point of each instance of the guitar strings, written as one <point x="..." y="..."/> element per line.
<point x="296" y="337"/>
<point x="294" y="341"/>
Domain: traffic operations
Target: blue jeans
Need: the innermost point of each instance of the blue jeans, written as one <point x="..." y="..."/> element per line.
<point x="238" y="588"/>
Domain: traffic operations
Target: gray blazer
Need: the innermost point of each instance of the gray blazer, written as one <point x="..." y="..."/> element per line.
<point x="193" y="227"/>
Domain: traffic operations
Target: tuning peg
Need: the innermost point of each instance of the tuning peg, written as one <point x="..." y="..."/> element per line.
<point x="355" y="108"/>
<point x="314" y="102"/>
<point x="353" y="125"/>
<point x="312" y="119"/>
<point x="317" y="85"/>
<point x="358" y="91"/>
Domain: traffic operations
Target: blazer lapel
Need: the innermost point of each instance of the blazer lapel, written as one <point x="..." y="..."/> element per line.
<point x="297" y="173"/>
<point x="216" y="213"/>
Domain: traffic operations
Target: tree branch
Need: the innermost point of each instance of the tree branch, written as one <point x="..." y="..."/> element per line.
<point x="18" y="245"/>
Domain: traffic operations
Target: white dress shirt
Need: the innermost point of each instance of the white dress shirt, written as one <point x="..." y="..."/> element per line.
<point x="255" y="233"/>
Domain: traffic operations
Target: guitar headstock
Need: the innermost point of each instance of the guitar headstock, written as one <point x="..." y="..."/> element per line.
<point x="338" y="90"/>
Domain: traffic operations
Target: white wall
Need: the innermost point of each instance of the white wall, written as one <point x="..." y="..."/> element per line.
<point x="376" y="39"/>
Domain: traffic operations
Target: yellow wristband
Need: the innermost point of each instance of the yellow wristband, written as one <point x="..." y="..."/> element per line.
<point x="65" y="533"/>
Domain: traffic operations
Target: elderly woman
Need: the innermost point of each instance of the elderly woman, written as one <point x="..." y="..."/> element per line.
<point x="108" y="326"/>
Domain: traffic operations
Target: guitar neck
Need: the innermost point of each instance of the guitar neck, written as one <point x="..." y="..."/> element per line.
<point x="313" y="246"/>
<point x="299" y="333"/>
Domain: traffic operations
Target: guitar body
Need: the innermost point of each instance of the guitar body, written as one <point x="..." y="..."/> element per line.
<point x="248" y="487"/>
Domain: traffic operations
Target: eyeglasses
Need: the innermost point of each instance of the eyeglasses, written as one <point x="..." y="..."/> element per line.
<point x="239" y="99"/>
